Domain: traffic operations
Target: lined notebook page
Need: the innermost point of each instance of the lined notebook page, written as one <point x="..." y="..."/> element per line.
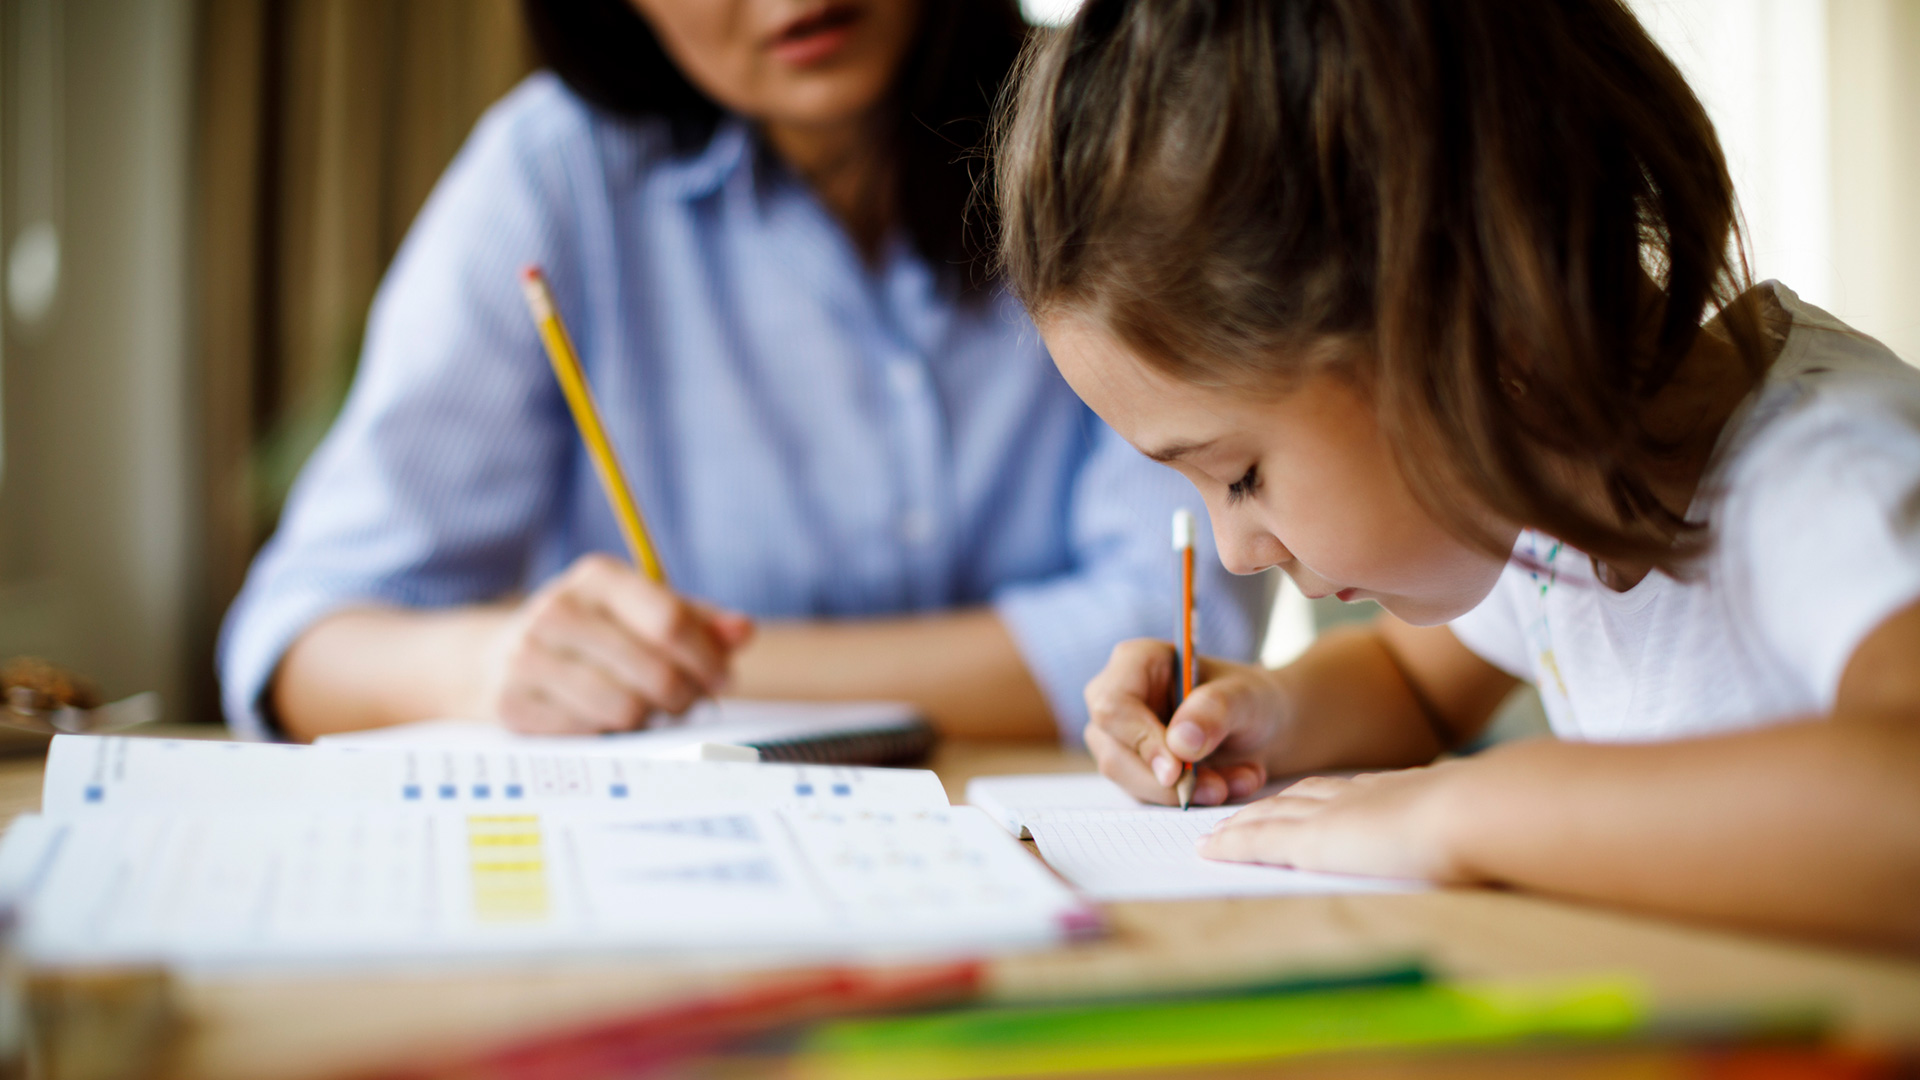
<point x="1148" y="854"/>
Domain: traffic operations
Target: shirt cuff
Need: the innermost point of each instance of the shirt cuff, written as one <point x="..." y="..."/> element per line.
<point x="1065" y="631"/>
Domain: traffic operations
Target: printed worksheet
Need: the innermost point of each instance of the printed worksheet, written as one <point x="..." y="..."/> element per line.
<point x="107" y="774"/>
<point x="1149" y="854"/>
<point x="398" y="885"/>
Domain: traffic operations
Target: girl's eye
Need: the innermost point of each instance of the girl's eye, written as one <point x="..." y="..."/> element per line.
<point x="1248" y="483"/>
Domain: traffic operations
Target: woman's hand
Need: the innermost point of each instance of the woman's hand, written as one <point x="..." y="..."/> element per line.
<point x="1390" y="824"/>
<point x="600" y="647"/>
<point x="1230" y="721"/>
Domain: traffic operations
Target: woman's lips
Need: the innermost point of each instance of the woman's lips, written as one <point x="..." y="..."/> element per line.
<point x="815" y="37"/>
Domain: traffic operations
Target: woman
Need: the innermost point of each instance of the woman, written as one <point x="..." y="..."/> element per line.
<point x="864" y="476"/>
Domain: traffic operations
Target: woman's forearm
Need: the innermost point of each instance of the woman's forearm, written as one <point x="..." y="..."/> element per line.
<point x="961" y="668"/>
<point x="374" y="667"/>
<point x="1808" y="827"/>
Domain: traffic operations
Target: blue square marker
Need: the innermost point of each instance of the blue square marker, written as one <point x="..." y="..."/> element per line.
<point x="803" y="789"/>
<point x="619" y="791"/>
<point x="411" y="791"/>
<point x="448" y="791"/>
<point x="480" y="791"/>
<point x="842" y="789"/>
<point x="95" y="793"/>
<point x="513" y="791"/>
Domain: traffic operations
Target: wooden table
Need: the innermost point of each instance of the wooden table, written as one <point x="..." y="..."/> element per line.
<point x="319" y="1026"/>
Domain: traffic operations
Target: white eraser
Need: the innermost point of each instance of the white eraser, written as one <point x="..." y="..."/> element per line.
<point x="1182" y="529"/>
<point x="708" y="751"/>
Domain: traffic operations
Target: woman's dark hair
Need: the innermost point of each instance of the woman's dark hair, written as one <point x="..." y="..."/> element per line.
<point x="1503" y="220"/>
<point x="947" y="85"/>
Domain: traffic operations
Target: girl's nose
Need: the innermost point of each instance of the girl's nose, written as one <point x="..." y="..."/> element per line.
<point x="1247" y="550"/>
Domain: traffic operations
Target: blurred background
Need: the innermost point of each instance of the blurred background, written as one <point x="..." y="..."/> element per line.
<point x="198" y="198"/>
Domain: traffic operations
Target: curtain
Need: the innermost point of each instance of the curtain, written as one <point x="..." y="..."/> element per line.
<point x="323" y="125"/>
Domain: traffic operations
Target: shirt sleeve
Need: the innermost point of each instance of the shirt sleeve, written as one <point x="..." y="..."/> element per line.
<point x="1821" y="535"/>
<point x="1124" y="583"/>
<point x="428" y="488"/>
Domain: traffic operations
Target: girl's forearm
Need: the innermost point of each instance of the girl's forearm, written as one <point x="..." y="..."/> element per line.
<point x="961" y="668"/>
<point x="1349" y="705"/>
<point x="1808" y="827"/>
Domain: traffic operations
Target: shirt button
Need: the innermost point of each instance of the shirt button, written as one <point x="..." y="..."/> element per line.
<point x="916" y="526"/>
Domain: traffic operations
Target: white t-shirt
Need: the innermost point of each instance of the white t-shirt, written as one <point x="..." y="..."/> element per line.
<point x="1813" y="502"/>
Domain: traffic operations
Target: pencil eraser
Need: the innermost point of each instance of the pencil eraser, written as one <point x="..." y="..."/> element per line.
<point x="1182" y="529"/>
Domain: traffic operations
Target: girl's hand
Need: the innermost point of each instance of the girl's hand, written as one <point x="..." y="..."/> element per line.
<point x="1230" y="721"/>
<point x="600" y="647"/>
<point x="1390" y="824"/>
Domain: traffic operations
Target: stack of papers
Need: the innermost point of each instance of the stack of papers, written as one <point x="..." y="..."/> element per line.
<point x="202" y="854"/>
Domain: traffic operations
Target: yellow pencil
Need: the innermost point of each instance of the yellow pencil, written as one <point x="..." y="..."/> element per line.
<point x="573" y="382"/>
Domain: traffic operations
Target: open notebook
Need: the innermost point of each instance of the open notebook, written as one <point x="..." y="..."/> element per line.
<point x="849" y="733"/>
<point x="1113" y="847"/>
<point x="204" y="854"/>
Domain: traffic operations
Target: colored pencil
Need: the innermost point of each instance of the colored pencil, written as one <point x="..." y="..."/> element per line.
<point x="1183" y="529"/>
<point x="586" y="416"/>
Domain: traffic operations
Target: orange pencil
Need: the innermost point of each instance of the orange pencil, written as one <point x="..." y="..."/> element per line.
<point x="1183" y="545"/>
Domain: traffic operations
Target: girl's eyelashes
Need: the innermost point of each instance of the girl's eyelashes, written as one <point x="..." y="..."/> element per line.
<point x="1248" y="483"/>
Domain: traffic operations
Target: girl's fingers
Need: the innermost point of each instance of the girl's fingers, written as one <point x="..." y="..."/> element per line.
<point x="1121" y="761"/>
<point x="1243" y="779"/>
<point x="1233" y="710"/>
<point x="1268" y="841"/>
<point x="1124" y="732"/>
<point x="1210" y="788"/>
<point x="1276" y="807"/>
<point x="1319" y="787"/>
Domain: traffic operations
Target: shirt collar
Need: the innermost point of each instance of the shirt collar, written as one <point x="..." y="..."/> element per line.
<point x="730" y="149"/>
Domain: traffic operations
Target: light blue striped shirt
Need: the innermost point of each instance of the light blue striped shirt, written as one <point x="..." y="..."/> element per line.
<point x="810" y="435"/>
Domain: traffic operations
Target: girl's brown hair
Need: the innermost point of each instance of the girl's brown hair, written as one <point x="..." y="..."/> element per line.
<point x="1505" y="220"/>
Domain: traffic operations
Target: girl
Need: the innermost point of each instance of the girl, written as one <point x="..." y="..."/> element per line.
<point x="752" y="213"/>
<point x="1435" y="304"/>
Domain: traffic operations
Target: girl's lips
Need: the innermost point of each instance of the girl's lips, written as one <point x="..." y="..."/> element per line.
<point x="1346" y="596"/>
<point x="815" y="37"/>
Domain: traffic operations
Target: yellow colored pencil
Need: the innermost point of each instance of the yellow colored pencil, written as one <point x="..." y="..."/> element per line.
<point x="586" y="416"/>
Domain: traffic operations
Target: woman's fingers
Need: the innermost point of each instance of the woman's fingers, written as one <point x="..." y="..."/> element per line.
<point x="592" y="700"/>
<point x="601" y="648"/>
<point x="676" y="628"/>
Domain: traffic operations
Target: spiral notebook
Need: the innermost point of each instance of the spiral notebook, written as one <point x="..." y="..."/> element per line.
<point x="825" y="733"/>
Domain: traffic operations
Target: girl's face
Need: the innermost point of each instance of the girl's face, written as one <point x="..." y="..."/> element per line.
<point x="1302" y="480"/>
<point x="788" y="62"/>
